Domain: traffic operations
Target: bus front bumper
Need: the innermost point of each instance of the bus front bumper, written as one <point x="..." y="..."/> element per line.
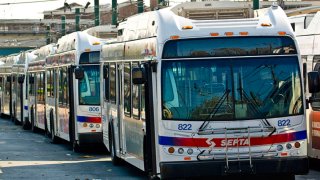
<point x="186" y="169"/>
<point x="90" y="138"/>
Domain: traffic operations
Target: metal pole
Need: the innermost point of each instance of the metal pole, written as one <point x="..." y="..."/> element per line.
<point x="140" y="6"/>
<point x="63" y="25"/>
<point x="255" y="4"/>
<point x="77" y="19"/>
<point x="96" y="13"/>
<point x="114" y="12"/>
<point x="48" y="35"/>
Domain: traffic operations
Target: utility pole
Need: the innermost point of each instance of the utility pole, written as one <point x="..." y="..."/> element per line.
<point x="96" y="13"/>
<point x="63" y="25"/>
<point x="140" y="6"/>
<point x="77" y="19"/>
<point x="114" y="12"/>
<point x="256" y="4"/>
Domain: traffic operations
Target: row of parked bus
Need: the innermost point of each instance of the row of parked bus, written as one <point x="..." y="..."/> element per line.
<point x="173" y="96"/>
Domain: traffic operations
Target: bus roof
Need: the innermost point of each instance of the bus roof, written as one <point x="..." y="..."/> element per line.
<point x="165" y="23"/>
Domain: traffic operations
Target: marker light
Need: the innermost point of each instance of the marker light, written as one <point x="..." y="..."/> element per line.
<point x="279" y="147"/>
<point x="282" y="33"/>
<point x="228" y="33"/>
<point x="187" y="27"/>
<point x="214" y="34"/>
<point x="174" y="37"/>
<point x="284" y="154"/>
<point x="87" y="50"/>
<point x="96" y="43"/>
<point x="187" y="158"/>
<point x="180" y="150"/>
<point x="297" y="145"/>
<point x="288" y="146"/>
<point x="171" y="150"/>
<point x="243" y="33"/>
<point x="266" y="24"/>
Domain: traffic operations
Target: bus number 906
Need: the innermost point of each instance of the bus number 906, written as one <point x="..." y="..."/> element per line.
<point x="94" y="109"/>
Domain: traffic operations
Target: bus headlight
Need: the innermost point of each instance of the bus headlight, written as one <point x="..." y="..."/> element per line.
<point x="91" y="126"/>
<point x="190" y="151"/>
<point x="180" y="150"/>
<point x="288" y="146"/>
<point x="279" y="147"/>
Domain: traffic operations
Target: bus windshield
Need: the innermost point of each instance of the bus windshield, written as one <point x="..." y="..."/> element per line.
<point x="231" y="89"/>
<point x="89" y="86"/>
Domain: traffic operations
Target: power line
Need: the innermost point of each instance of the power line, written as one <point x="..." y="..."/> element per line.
<point x="34" y="1"/>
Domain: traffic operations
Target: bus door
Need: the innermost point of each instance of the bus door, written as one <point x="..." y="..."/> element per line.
<point x="63" y="104"/>
<point x="120" y="105"/>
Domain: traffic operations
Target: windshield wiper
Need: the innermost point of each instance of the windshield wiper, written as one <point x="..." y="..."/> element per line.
<point x="214" y="110"/>
<point x="254" y="106"/>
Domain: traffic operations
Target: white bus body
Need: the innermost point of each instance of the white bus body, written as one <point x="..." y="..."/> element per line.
<point x="37" y="88"/>
<point x="221" y="96"/>
<point x="73" y="105"/>
<point x="19" y="89"/>
<point x="7" y="81"/>
<point x="307" y="32"/>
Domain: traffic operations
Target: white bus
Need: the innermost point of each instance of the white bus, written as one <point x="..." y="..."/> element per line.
<point x="6" y="84"/>
<point x="19" y="89"/>
<point x="307" y="30"/>
<point x="73" y="90"/>
<point x="36" y="88"/>
<point x="196" y="98"/>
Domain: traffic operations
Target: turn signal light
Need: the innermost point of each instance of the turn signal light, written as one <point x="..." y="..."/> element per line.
<point x="171" y="150"/>
<point x="85" y="125"/>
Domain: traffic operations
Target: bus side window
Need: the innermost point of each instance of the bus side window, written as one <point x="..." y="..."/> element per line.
<point x="61" y="88"/>
<point x="135" y="98"/>
<point x="106" y="75"/>
<point x="127" y="89"/>
<point x="112" y="76"/>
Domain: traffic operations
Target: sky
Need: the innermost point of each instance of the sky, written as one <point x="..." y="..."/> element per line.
<point x="34" y="10"/>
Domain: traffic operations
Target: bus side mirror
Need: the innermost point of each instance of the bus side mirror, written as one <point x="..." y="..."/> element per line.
<point x="79" y="73"/>
<point x="9" y="79"/>
<point x="31" y="80"/>
<point x="21" y="79"/>
<point x="313" y="82"/>
<point x="138" y="75"/>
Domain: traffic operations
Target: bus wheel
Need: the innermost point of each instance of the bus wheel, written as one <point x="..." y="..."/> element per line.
<point x="54" y="138"/>
<point x="115" y="160"/>
<point x="75" y="146"/>
<point x="26" y="124"/>
<point x="33" y="127"/>
<point x="16" y="122"/>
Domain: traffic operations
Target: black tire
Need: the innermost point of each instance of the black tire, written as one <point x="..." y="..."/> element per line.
<point x="26" y="124"/>
<point x="54" y="138"/>
<point x="115" y="159"/>
<point x="33" y="127"/>
<point x="15" y="120"/>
